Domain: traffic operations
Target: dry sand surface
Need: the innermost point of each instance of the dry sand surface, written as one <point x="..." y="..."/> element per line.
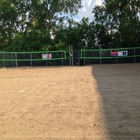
<point x="99" y="102"/>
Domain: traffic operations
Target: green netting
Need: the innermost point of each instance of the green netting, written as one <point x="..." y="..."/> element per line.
<point x="105" y="53"/>
<point x="32" y="56"/>
<point x="61" y="57"/>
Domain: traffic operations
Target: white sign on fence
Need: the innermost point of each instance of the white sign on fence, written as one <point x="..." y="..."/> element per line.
<point x="122" y="53"/>
<point x="46" y="56"/>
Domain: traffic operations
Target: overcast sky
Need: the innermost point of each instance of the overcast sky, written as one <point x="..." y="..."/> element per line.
<point x="86" y="11"/>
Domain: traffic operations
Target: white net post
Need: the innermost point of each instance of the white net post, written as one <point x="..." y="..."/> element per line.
<point x="71" y="55"/>
<point x="86" y="46"/>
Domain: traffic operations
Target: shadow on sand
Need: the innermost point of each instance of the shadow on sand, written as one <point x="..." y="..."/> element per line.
<point x="119" y="87"/>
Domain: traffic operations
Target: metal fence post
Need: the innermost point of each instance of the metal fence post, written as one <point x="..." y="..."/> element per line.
<point x="62" y="58"/>
<point x="72" y="54"/>
<point x="78" y="58"/>
<point x="31" y="58"/>
<point x="100" y="57"/>
<point x="117" y="58"/>
<point x="84" y="56"/>
<point x="3" y="60"/>
<point x="134" y="55"/>
<point x="16" y="59"/>
<point x="12" y="59"/>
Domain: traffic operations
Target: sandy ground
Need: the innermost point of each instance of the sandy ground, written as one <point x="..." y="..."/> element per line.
<point x="99" y="102"/>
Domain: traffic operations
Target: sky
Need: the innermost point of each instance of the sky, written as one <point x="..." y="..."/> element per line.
<point x="86" y="11"/>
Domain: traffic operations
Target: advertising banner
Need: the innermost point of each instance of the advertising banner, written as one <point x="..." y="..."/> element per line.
<point x="119" y="53"/>
<point x="114" y="53"/>
<point x="122" y="53"/>
<point x="46" y="56"/>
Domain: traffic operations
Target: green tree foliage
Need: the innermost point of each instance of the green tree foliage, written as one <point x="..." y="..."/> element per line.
<point x="125" y="13"/>
<point x="23" y="17"/>
<point x="118" y="23"/>
<point x="8" y="16"/>
<point x="86" y="31"/>
<point x="34" y="25"/>
<point x="77" y="31"/>
<point x="47" y="13"/>
<point x="34" y="40"/>
<point x="103" y="26"/>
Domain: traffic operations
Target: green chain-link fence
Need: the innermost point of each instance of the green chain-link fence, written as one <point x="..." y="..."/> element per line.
<point x="61" y="57"/>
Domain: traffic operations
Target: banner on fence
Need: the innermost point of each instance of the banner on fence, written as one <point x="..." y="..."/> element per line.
<point x="119" y="53"/>
<point x="114" y="53"/>
<point x="46" y="56"/>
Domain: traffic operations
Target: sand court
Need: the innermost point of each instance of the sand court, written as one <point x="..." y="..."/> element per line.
<point x="99" y="102"/>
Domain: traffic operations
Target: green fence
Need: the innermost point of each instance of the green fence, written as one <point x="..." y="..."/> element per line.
<point x="117" y="55"/>
<point x="61" y="57"/>
<point x="12" y="59"/>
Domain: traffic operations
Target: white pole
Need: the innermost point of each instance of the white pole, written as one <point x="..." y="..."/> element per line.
<point x="72" y="54"/>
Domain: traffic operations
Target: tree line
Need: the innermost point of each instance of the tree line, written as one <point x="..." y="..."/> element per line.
<point x="42" y="25"/>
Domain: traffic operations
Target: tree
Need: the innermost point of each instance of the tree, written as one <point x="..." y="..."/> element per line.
<point x="31" y="41"/>
<point x="117" y="23"/>
<point x="103" y="26"/>
<point x="125" y="15"/>
<point x="23" y="16"/>
<point x="8" y="28"/>
<point x="86" y="31"/>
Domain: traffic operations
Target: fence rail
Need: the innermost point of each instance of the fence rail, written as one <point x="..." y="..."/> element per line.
<point x="61" y="57"/>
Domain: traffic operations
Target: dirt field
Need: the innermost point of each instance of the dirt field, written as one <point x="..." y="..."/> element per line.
<point x="99" y="102"/>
